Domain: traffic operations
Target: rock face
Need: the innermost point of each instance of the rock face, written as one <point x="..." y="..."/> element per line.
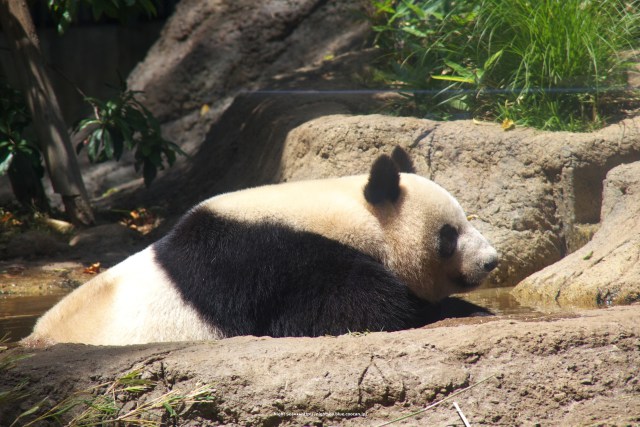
<point x="605" y="271"/>
<point x="581" y="369"/>
<point x="210" y="51"/>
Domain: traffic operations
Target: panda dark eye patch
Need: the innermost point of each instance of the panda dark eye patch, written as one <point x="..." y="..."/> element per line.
<point x="448" y="241"/>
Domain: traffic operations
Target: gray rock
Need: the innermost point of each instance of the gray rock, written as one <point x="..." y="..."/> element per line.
<point x="32" y="243"/>
<point x="110" y="243"/>
<point x="606" y="270"/>
<point x="211" y="51"/>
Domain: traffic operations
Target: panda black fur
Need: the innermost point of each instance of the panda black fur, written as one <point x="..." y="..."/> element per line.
<point x="270" y="261"/>
<point x="273" y="280"/>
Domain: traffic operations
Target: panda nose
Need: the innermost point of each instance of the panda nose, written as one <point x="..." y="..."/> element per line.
<point x="490" y="265"/>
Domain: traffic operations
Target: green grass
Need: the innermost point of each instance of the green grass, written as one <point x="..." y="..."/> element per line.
<point x="551" y="64"/>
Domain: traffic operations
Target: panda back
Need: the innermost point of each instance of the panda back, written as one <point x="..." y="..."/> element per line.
<point x="265" y="278"/>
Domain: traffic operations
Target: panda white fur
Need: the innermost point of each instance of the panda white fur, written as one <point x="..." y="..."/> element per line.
<point x="358" y="253"/>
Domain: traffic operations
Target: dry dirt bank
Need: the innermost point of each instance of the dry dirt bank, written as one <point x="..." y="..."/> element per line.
<point x="579" y="369"/>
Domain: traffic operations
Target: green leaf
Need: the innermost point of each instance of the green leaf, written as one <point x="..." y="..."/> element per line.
<point x="29" y="411"/>
<point x="149" y="172"/>
<point x="171" y="156"/>
<point x="86" y="122"/>
<point x="492" y="59"/>
<point x="415" y="32"/>
<point x="156" y="159"/>
<point x="111" y="107"/>
<point x="170" y="410"/>
<point x="415" y="9"/>
<point x="381" y="28"/>
<point x="458" y="69"/>
<point x="385" y="6"/>
<point x="5" y="164"/>
<point x="136" y="119"/>
<point x="93" y="147"/>
<point x="125" y="123"/>
<point x="107" y="145"/>
<point x="459" y="79"/>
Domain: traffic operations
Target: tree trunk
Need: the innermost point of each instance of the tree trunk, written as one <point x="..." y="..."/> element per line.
<point x="53" y="138"/>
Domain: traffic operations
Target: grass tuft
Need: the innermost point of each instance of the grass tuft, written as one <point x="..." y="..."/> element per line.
<point x="120" y="402"/>
<point x="128" y="400"/>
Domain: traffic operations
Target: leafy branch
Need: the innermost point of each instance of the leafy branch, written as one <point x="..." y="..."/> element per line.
<point x="64" y="12"/>
<point x="123" y="122"/>
<point x="14" y="119"/>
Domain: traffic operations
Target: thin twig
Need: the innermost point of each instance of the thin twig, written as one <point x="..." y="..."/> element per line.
<point x="462" y="417"/>
<point x="96" y="111"/>
<point x="66" y="78"/>
<point x="437" y="403"/>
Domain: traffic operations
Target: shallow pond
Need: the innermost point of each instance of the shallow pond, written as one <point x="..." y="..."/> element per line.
<point x="18" y="314"/>
<point x="499" y="300"/>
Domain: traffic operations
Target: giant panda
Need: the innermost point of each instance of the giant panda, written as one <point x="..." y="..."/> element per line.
<point x="374" y="252"/>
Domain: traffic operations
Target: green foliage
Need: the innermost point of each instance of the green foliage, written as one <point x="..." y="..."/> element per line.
<point x="123" y="122"/>
<point x="64" y="11"/>
<point x="549" y="63"/>
<point x="119" y="123"/>
<point x="14" y="119"/>
<point x="420" y="40"/>
<point x="561" y="57"/>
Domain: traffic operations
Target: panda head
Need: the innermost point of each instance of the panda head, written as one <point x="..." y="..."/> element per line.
<point x="431" y="244"/>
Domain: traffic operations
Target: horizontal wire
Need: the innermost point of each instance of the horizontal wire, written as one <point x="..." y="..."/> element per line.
<point x="558" y="90"/>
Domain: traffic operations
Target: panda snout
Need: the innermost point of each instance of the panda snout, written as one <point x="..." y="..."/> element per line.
<point x="490" y="265"/>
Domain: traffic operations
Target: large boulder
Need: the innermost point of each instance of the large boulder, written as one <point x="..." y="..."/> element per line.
<point x="605" y="271"/>
<point x="211" y="51"/>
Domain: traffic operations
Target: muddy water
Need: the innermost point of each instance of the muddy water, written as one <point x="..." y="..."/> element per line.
<point x="499" y="300"/>
<point x="18" y="314"/>
<point x="28" y="289"/>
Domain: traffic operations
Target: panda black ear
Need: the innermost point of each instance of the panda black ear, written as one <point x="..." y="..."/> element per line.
<point x="402" y="159"/>
<point x="384" y="181"/>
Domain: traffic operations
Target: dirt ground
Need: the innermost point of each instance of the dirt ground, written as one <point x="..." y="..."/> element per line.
<point x="574" y="369"/>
